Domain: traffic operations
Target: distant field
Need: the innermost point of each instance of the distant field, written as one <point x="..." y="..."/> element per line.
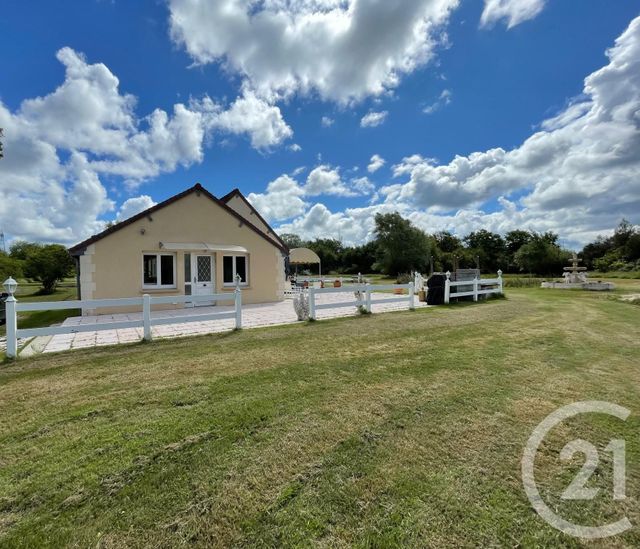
<point x="401" y="429"/>
<point x="617" y="274"/>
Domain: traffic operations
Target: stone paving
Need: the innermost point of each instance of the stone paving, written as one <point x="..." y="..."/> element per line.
<point x="253" y="316"/>
<point x="3" y="343"/>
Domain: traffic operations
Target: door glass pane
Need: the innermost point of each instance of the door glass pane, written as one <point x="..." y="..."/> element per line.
<point x="166" y="270"/>
<point x="204" y="268"/>
<point x="150" y="269"/>
<point x="241" y="268"/>
<point x="187" y="268"/>
<point x="227" y="267"/>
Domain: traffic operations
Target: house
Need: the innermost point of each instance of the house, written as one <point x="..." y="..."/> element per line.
<point x="191" y="244"/>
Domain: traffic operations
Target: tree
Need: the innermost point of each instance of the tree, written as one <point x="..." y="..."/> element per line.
<point x="489" y="247"/>
<point x="620" y="251"/>
<point x="400" y="246"/>
<point x="329" y="251"/>
<point x="623" y="232"/>
<point x="22" y="250"/>
<point x="9" y="266"/>
<point x="542" y="256"/>
<point x="1" y="145"/>
<point x="49" y="264"/>
<point x="447" y="242"/>
<point x="292" y="240"/>
<point x="632" y="247"/>
<point x="514" y="240"/>
<point x="359" y="259"/>
<point x="448" y="251"/>
<point x="595" y="251"/>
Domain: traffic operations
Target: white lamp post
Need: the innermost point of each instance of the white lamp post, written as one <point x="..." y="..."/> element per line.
<point x="11" y="286"/>
<point x="12" y="319"/>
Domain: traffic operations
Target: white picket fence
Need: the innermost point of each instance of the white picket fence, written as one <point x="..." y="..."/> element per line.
<point x="13" y="307"/>
<point x="479" y="286"/>
<point x="364" y="298"/>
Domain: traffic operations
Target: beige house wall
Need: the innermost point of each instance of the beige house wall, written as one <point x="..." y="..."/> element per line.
<point x="112" y="266"/>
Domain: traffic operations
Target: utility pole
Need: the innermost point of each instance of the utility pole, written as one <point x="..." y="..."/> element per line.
<point x="4" y="247"/>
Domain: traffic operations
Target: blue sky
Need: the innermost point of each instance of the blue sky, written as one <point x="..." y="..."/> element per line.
<point x="488" y="74"/>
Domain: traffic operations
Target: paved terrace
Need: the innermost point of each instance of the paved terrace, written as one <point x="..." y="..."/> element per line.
<point x="253" y="316"/>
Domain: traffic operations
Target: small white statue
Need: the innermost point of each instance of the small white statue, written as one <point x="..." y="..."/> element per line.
<point x="301" y="306"/>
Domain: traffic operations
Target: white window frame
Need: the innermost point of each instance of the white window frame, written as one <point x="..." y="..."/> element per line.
<point x="234" y="256"/>
<point x="159" y="286"/>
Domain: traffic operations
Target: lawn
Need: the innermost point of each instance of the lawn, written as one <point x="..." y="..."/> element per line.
<point x="400" y="429"/>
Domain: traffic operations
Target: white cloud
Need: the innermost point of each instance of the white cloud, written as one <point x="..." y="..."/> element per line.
<point x="248" y="114"/>
<point x="60" y="145"/>
<point x="443" y="100"/>
<point x="134" y="205"/>
<point x="327" y="122"/>
<point x="581" y="173"/>
<point x="514" y="11"/>
<point x="362" y="185"/>
<point x="343" y="50"/>
<point x="298" y="171"/>
<point x="351" y="226"/>
<point x="375" y="163"/>
<point x="283" y="199"/>
<point x="373" y="119"/>
<point x="88" y="113"/>
<point x="578" y="176"/>
<point x="324" y="180"/>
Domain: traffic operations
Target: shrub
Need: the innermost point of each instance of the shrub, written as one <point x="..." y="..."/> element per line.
<point x="522" y="282"/>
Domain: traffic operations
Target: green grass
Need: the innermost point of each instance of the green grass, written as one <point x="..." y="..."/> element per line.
<point x="402" y="429"/>
<point x="617" y="274"/>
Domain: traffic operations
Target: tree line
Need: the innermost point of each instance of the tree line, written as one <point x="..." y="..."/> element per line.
<point x="399" y="247"/>
<point x="47" y="264"/>
<point x="618" y="252"/>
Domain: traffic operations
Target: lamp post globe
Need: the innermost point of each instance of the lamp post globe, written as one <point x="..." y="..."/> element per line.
<point x="10" y="285"/>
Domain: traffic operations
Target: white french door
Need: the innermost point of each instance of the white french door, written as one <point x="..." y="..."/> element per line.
<point x="202" y="280"/>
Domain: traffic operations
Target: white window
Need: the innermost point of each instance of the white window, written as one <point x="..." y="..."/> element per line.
<point x="233" y="265"/>
<point x="158" y="270"/>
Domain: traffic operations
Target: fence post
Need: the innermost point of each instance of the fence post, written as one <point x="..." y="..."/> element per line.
<point x="447" y="288"/>
<point x="146" y="316"/>
<point x="312" y="303"/>
<point x="412" y="296"/>
<point x="475" y="288"/>
<point x="238" y="305"/>
<point x="12" y="327"/>
<point x="367" y="297"/>
<point x="500" y="280"/>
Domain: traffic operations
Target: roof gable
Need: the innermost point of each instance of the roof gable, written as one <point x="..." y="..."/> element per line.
<point x="236" y="193"/>
<point x="79" y="248"/>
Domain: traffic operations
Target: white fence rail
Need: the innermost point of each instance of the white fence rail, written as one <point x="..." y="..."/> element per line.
<point x="13" y="307"/>
<point x="364" y="296"/>
<point x="479" y="286"/>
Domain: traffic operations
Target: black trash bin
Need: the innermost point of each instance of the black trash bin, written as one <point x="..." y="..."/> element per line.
<point x="3" y="308"/>
<point x="435" y="289"/>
